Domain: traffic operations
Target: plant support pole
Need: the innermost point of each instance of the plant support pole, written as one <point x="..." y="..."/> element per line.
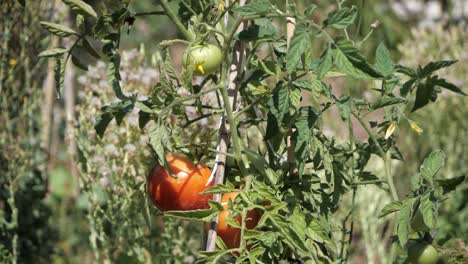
<point x="220" y="165"/>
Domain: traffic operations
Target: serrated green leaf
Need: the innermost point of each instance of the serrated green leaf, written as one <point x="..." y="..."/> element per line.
<point x="404" y="220"/>
<point x="428" y="207"/>
<point x="424" y="93"/>
<point x="341" y="18"/>
<point x="53" y="52"/>
<point x="383" y="61"/>
<point x="449" y="185"/>
<point x="343" y="104"/>
<point x="449" y="86"/>
<point x="325" y="63"/>
<point x="288" y="234"/>
<point x="300" y="42"/>
<point x="432" y="165"/>
<point x="57" y="29"/>
<point x="90" y="49"/>
<point x="386" y="101"/>
<point x="59" y="75"/>
<point x="317" y="232"/>
<point x="305" y="121"/>
<point x="212" y="256"/>
<point x="349" y="60"/>
<point x="431" y="67"/>
<point x="113" y="76"/>
<point x="79" y="63"/>
<point x="159" y="138"/>
<point x="220" y="188"/>
<point x="256" y="32"/>
<point x="254" y="8"/>
<point x="392" y="207"/>
<point x="81" y="7"/>
<point x="203" y="215"/>
<point x="279" y="103"/>
<point x="116" y="110"/>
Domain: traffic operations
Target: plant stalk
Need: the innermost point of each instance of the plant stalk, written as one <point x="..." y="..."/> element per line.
<point x="176" y="20"/>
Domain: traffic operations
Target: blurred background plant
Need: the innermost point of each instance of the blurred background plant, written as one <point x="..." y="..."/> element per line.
<point x="26" y="234"/>
<point x="53" y="208"/>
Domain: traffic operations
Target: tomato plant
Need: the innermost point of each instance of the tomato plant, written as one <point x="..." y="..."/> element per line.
<point x="183" y="190"/>
<point x="269" y="83"/>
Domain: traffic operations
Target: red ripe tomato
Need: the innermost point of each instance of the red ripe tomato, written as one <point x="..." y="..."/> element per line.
<point x="181" y="193"/>
<point x="231" y="235"/>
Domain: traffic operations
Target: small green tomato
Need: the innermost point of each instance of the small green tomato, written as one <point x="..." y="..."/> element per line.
<point x="205" y="58"/>
<point x="422" y="253"/>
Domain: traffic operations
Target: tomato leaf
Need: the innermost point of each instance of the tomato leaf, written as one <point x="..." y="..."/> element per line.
<point x="349" y="60"/>
<point x="404" y="220"/>
<point x="387" y="101"/>
<point x="428" y="207"/>
<point x="432" y="66"/>
<point x="258" y="31"/>
<point x="53" y="52"/>
<point x="116" y="110"/>
<point x="449" y="185"/>
<point x="299" y="44"/>
<point x="203" y="215"/>
<point x="341" y="18"/>
<point x="57" y="29"/>
<point x="254" y="8"/>
<point x="59" y="75"/>
<point x="325" y="63"/>
<point x="81" y="7"/>
<point x="383" y="61"/>
<point x="392" y="207"/>
<point x="432" y="165"/>
<point x="305" y="121"/>
<point x="220" y="188"/>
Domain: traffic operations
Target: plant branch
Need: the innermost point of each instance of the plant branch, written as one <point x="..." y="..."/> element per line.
<point x="176" y="20"/>
<point x="149" y="13"/>
<point x="186" y="98"/>
<point x="383" y="155"/>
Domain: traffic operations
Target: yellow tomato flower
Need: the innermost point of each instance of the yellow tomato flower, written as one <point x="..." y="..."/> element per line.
<point x="12" y="62"/>
<point x="414" y="126"/>
<point x="221" y="6"/>
<point x="391" y="128"/>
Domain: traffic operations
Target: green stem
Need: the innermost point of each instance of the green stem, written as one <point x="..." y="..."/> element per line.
<point x="149" y="13"/>
<point x="368" y="182"/>
<point x="176" y="20"/>
<point x="366" y="37"/>
<point x="232" y="121"/>
<point x="383" y="155"/>
<point x="189" y="122"/>
<point x="186" y="98"/>
<point x="248" y="184"/>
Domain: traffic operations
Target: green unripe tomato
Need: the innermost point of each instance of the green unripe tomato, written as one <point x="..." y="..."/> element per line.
<point x="422" y="253"/>
<point x="417" y="222"/>
<point x="205" y="59"/>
